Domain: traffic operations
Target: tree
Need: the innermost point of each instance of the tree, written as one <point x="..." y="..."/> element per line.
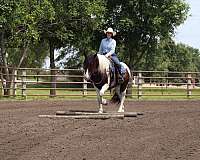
<point x="175" y="57"/>
<point x="69" y="58"/>
<point x="19" y="30"/>
<point x="141" y="24"/>
<point x="74" y="21"/>
<point x="84" y="19"/>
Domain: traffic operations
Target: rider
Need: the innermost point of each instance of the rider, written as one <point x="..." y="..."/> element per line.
<point x="107" y="48"/>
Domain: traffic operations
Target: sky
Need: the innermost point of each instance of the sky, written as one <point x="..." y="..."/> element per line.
<point x="189" y="32"/>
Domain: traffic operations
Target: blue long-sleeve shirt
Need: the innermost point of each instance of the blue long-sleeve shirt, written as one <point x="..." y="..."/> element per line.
<point x="107" y="46"/>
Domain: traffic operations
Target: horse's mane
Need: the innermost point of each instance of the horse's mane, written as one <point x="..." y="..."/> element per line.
<point x="104" y="63"/>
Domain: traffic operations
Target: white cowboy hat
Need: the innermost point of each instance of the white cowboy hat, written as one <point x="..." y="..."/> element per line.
<point x="110" y="30"/>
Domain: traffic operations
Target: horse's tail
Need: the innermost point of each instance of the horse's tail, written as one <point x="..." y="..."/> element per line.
<point x="115" y="98"/>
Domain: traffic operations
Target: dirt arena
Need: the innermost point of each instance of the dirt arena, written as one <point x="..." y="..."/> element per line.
<point x="168" y="130"/>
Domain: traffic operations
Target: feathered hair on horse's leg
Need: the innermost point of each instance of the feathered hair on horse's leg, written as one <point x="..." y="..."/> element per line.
<point x="115" y="99"/>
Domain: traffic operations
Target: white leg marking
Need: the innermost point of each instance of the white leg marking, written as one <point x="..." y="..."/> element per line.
<point x="105" y="86"/>
<point x="99" y="99"/>
<point x="87" y="74"/>
<point x="104" y="101"/>
<point x="103" y="89"/>
<point x="122" y="99"/>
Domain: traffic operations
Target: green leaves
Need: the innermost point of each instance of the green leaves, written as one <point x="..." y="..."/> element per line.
<point x="19" y="26"/>
<point x="176" y="57"/>
<point x="141" y="23"/>
<point x="21" y="19"/>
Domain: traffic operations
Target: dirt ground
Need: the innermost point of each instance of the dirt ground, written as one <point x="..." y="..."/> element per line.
<point x="168" y="130"/>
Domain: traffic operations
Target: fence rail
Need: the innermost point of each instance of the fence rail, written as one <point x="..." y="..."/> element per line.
<point x="70" y="82"/>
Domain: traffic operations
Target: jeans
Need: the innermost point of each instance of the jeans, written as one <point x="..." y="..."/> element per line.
<point x="115" y="60"/>
<point x="117" y="63"/>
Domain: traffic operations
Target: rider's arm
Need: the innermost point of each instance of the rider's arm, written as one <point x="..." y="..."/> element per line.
<point x="112" y="51"/>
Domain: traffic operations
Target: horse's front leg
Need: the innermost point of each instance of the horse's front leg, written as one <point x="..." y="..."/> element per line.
<point x="104" y="89"/>
<point x="106" y="85"/>
<point x="99" y="100"/>
<point x="100" y="94"/>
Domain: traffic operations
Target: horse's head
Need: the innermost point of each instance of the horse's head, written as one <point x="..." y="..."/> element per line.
<point x="90" y="66"/>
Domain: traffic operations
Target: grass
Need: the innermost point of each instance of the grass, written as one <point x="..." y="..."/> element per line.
<point x="169" y="94"/>
<point x="147" y="94"/>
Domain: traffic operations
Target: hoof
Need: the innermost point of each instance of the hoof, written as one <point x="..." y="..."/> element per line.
<point x="120" y="111"/>
<point x="104" y="102"/>
<point x="101" y="93"/>
<point x="100" y="111"/>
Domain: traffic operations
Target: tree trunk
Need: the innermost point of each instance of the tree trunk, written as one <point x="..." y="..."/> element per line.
<point x="7" y="88"/>
<point x="24" y="54"/>
<point x="1" y="60"/>
<point x="53" y="72"/>
<point x="6" y="80"/>
<point x="5" y="75"/>
<point x="131" y="59"/>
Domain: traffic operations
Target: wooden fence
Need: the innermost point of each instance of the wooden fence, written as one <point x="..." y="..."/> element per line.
<point x="70" y="83"/>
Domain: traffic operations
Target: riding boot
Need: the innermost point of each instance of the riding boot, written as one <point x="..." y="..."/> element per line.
<point x="120" y="77"/>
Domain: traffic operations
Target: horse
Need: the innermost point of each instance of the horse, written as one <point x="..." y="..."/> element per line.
<point x="98" y="71"/>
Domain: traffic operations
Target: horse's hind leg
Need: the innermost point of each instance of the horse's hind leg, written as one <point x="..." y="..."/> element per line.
<point x="122" y="98"/>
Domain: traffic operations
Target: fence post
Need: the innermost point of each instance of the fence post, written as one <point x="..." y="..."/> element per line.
<point x="129" y="91"/>
<point x="24" y="83"/>
<point x="189" y="85"/>
<point x="53" y="83"/>
<point x="84" y="87"/>
<point x="15" y="83"/>
<point x="139" y="85"/>
<point x="1" y="90"/>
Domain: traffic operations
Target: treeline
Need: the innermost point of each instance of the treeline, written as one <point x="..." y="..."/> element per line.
<point x="30" y="30"/>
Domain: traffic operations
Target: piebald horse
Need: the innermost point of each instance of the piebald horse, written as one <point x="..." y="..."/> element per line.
<point x="98" y="70"/>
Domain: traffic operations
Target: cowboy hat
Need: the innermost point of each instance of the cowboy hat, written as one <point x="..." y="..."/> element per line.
<point x="110" y="30"/>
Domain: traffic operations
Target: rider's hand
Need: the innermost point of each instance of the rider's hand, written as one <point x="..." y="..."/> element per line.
<point x="108" y="55"/>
